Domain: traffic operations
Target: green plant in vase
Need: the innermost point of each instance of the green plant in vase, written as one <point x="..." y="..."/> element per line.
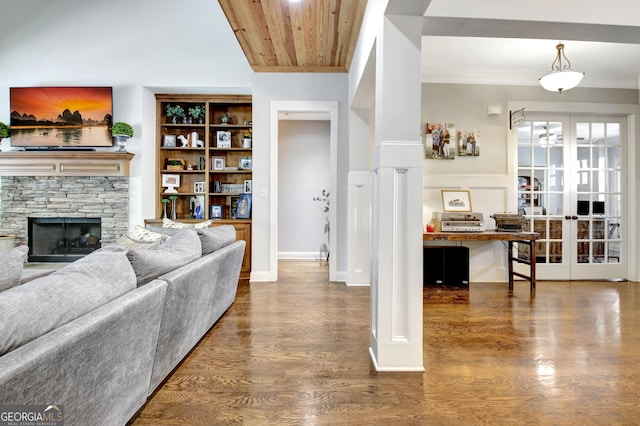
<point x="122" y="132"/>
<point x="197" y="113"/>
<point x="174" y="112"/>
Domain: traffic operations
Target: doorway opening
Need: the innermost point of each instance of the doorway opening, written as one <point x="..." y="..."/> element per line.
<point x="310" y="110"/>
<point x="303" y="188"/>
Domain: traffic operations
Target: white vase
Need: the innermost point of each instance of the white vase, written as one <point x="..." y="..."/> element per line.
<point x="247" y="142"/>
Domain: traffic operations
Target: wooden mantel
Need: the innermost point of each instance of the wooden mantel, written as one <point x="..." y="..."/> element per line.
<point x="64" y="163"/>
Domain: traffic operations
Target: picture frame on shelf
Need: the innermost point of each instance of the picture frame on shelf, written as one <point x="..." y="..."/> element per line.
<point x="215" y="211"/>
<point x="244" y="207"/>
<point x="169" y="141"/>
<point x="245" y="163"/>
<point x="456" y="200"/>
<point x="199" y="187"/>
<point x="247" y="186"/>
<point x="233" y="206"/>
<point x="223" y="139"/>
<point x="196" y="207"/>
<point x="217" y="163"/>
<point x="171" y="182"/>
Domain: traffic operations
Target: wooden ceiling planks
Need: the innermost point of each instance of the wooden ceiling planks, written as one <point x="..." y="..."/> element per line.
<point x="303" y="36"/>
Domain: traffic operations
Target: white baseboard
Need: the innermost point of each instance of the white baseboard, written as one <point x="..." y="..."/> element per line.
<point x="301" y="255"/>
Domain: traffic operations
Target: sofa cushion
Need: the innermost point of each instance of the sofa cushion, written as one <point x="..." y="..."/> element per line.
<point x="215" y="238"/>
<point x="168" y="232"/>
<point x="44" y="304"/>
<point x="182" y="248"/>
<point x="12" y="263"/>
<point x="168" y="223"/>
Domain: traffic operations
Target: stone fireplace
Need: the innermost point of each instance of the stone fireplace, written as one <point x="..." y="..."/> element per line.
<point x="71" y="186"/>
<point x="24" y="197"/>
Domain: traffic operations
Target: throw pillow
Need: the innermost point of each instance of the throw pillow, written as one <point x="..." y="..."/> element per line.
<point x="168" y="223"/>
<point x="142" y="234"/>
<point x="182" y="248"/>
<point x="215" y="238"/>
<point x="127" y="242"/>
<point x="12" y="263"/>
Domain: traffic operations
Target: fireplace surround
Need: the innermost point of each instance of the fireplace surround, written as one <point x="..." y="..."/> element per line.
<point x="104" y="198"/>
<point x="60" y="239"/>
<point x="64" y="185"/>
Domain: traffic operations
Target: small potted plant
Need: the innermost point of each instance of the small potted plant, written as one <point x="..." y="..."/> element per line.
<point x="248" y="135"/>
<point x="4" y="131"/>
<point x="197" y="113"/>
<point x="175" y="113"/>
<point x="175" y="164"/>
<point x="122" y="132"/>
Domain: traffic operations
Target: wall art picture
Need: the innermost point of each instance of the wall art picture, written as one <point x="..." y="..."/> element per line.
<point x="439" y="141"/>
<point x="468" y="143"/>
<point x="61" y="116"/>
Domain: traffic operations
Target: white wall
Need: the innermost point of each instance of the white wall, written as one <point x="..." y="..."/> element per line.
<point x="268" y="87"/>
<point x="303" y="172"/>
<point x="490" y="177"/>
<point x="139" y="48"/>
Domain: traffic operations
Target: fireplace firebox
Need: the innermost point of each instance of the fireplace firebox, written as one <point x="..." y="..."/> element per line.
<point x="62" y="239"/>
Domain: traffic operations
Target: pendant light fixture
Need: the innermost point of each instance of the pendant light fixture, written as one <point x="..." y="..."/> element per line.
<point x="561" y="77"/>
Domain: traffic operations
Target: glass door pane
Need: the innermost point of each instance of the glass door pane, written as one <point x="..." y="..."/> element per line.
<point x="598" y="192"/>
<point x="541" y="189"/>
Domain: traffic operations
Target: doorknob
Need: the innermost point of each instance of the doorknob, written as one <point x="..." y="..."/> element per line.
<point x="567" y="217"/>
<point x="571" y="217"/>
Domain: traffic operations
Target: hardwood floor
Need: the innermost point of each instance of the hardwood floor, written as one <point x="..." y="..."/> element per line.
<point x="296" y="352"/>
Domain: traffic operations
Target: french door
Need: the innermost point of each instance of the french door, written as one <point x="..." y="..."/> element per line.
<point x="571" y="191"/>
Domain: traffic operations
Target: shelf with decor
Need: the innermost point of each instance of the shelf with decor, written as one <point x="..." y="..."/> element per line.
<point x="204" y="145"/>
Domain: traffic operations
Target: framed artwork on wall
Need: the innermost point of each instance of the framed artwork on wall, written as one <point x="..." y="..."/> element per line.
<point x="439" y="141"/>
<point x="468" y="143"/>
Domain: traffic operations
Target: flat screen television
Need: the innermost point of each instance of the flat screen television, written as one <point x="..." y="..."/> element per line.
<point x="61" y="117"/>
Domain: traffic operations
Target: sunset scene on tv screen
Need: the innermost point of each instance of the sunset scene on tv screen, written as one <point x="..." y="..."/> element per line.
<point x="48" y="103"/>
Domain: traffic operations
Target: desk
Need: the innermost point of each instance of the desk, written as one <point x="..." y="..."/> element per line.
<point x="528" y="238"/>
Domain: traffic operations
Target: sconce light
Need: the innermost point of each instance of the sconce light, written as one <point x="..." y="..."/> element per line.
<point x="561" y="77"/>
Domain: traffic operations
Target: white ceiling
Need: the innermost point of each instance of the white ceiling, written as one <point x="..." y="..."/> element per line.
<point x="495" y="41"/>
<point x="513" y="42"/>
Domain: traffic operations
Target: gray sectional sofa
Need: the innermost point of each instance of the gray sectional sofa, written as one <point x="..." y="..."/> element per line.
<point x="98" y="336"/>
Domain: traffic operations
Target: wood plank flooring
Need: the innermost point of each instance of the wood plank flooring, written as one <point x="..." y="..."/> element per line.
<point x="295" y="352"/>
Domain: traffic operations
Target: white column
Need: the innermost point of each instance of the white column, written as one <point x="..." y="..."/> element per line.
<point x="396" y="272"/>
